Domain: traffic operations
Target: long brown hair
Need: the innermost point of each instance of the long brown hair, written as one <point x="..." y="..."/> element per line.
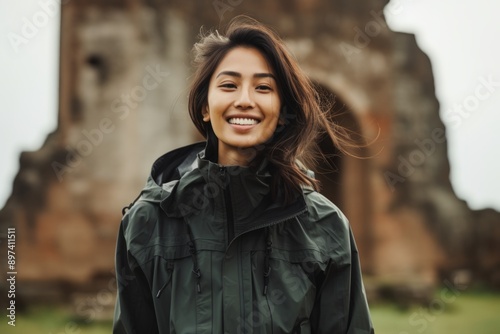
<point x="294" y="144"/>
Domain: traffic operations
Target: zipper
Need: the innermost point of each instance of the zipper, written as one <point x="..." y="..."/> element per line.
<point x="242" y="294"/>
<point x="230" y="231"/>
<point x="228" y="204"/>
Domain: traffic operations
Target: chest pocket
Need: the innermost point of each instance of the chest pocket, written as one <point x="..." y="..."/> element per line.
<point x="159" y="260"/>
<point x="163" y="271"/>
<point x="291" y="293"/>
<point x="178" y="287"/>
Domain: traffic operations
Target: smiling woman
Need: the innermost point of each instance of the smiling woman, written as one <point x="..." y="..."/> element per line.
<point x="230" y="235"/>
<point x="243" y="104"/>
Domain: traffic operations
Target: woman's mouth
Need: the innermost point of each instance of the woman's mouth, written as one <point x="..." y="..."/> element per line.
<point x="243" y="121"/>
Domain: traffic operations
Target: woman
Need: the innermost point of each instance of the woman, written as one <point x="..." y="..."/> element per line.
<point x="230" y="235"/>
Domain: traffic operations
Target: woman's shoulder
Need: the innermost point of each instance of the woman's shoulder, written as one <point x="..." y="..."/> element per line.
<point x="324" y="219"/>
<point x="139" y="222"/>
<point x="319" y="207"/>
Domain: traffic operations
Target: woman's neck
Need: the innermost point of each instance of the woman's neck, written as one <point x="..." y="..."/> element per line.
<point x="235" y="156"/>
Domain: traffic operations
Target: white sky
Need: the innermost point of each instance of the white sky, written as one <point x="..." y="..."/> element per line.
<point x="28" y="85"/>
<point x="461" y="39"/>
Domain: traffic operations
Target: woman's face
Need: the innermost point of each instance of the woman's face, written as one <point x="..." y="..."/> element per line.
<point x="243" y="103"/>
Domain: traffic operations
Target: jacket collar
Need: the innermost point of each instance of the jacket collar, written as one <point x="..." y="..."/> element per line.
<point x="187" y="184"/>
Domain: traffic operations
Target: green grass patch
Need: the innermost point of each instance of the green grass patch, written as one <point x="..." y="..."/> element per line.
<point x="471" y="313"/>
<point x="54" y="320"/>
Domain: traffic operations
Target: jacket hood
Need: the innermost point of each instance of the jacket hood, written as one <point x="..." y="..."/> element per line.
<point x="186" y="182"/>
<point x="166" y="170"/>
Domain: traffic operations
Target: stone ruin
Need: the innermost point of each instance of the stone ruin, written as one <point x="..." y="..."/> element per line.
<point x="124" y="70"/>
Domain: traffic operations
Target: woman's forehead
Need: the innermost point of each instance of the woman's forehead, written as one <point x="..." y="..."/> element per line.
<point x="244" y="61"/>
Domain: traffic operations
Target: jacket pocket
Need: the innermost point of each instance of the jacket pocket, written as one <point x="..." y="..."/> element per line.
<point x="287" y="305"/>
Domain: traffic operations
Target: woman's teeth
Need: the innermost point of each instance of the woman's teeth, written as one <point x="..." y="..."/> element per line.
<point x="243" y="121"/>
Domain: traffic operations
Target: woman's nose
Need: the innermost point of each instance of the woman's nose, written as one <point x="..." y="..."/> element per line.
<point x="244" y="99"/>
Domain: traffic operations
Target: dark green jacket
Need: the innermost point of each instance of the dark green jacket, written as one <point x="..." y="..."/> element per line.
<point x="205" y="250"/>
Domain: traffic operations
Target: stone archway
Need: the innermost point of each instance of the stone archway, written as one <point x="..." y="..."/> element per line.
<point x="345" y="178"/>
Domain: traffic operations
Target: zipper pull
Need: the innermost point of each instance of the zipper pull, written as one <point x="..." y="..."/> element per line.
<point x="222" y="171"/>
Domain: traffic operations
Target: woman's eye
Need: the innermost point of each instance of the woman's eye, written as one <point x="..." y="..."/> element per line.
<point x="228" y="85"/>
<point x="263" y="87"/>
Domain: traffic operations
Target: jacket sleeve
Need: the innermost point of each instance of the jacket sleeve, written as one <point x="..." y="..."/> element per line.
<point x="134" y="310"/>
<point x="341" y="306"/>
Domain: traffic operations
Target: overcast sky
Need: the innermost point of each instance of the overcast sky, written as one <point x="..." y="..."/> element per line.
<point x="462" y="40"/>
<point x="460" y="37"/>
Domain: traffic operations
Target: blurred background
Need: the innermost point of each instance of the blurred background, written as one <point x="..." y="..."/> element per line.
<point x="94" y="91"/>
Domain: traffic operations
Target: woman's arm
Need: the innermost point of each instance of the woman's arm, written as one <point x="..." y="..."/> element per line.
<point x="341" y="305"/>
<point x="134" y="310"/>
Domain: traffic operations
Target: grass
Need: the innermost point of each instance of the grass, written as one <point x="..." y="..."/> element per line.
<point x="471" y="313"/>
<point x="54" y="320"/>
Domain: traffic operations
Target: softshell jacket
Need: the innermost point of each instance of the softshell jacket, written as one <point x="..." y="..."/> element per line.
<point x="205" y="249"/>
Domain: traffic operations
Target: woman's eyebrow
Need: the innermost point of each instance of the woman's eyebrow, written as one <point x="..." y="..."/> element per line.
<point x="264" y="75"/>
<point x="238" y="75"/>
<point x="230" y="73"/>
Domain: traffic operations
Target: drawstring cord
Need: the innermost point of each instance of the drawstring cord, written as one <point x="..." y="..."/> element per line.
<point x="126" y="208"/>
<point x="192" y="251"/>
<point x="267" y="266"/>
<point x="170" y="267"/>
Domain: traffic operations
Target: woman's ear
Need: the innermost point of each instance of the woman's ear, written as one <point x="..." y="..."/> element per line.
<point x="206" y="114"/>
